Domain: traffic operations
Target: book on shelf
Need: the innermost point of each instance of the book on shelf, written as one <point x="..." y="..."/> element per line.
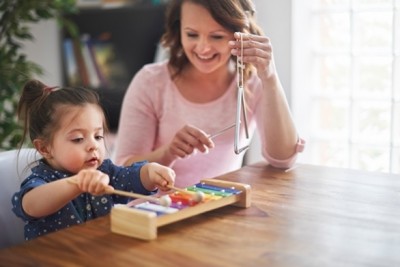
<point x="93" y="62"/>
<point x="71" y="66"/>
<point x="97" y="64"/>
<point x="84" y="79"/>
<point x="90" y="62"/>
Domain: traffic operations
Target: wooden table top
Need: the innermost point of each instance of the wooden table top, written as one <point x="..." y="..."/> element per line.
<point x="310" y="216"/>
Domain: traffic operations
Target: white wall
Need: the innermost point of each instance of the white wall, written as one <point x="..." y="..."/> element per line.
<point x="275" y="19"/>
<point x="45" y="51"/>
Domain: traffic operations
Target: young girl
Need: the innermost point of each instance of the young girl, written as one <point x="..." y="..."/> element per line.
<point x="67" y="126"/>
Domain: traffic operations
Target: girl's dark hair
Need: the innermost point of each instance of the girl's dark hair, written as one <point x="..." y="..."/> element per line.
<point x="38" y="105"/>
<point x="233" y="15"/>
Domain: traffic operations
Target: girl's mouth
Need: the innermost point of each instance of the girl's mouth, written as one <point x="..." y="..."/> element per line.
<point x="92" y="162"/>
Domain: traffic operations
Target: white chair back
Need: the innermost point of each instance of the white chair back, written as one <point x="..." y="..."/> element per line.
<point x="14" y="169"/>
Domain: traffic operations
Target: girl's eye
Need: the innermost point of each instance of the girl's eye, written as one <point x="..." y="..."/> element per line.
<point x="99" y="137"/>
<point x="77" y="140"/>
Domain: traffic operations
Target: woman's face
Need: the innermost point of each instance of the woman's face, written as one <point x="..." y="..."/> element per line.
<point x="204" y="41"/>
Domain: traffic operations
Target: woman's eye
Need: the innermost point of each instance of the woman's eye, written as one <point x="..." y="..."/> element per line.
<point x="218" y="37"/>
<point x="191" y="35"/>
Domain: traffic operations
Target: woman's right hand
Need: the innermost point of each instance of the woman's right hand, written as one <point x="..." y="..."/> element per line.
<point x="187" y="140"/>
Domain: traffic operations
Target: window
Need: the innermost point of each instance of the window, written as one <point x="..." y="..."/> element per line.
<point x="346" y="82"/>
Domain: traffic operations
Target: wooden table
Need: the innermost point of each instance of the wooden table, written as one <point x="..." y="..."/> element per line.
<point x="310" y="216"/>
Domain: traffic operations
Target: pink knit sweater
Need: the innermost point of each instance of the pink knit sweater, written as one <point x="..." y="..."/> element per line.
<point x="154" y="110"/>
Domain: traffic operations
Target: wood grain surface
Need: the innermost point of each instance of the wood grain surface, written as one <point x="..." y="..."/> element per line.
<point x="310" y="216"/>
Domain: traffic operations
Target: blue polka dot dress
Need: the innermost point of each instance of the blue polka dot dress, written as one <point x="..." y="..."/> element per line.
<point x="83" y="208"/>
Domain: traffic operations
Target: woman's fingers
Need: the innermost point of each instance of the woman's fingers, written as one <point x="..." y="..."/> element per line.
<point x="189" y="139"/>
<point x="254" y="49"/>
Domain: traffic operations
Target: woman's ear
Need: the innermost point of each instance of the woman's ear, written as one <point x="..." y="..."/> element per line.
<point x="42" y="147"/>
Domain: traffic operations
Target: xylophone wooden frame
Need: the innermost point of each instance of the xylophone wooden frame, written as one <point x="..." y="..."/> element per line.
<point x="143" y="224"/>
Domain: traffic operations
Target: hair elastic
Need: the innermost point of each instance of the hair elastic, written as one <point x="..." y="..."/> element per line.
<point x="51" y="89"/>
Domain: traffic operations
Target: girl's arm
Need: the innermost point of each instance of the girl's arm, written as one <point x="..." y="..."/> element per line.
<point x="154" y="175"/>
<point x="49" y="198"/>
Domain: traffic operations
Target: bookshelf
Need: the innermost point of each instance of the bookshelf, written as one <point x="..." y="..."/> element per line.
<point x="114" y="44"/>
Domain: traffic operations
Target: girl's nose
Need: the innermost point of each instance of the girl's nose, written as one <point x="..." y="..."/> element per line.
<point x="93" y="146"/>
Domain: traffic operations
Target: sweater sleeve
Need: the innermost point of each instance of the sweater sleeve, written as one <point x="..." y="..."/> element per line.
<point x="286" y="163"/>
<point x="255" y="100"/>
<point x="16" y="200"/>
<point x="138" y="118"/>
<point x="125" y="178"/>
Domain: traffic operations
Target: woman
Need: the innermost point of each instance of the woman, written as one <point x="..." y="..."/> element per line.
<point x="172" y="109"/>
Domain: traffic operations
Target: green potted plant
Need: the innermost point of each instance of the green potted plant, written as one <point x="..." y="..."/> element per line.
<point x="15" y="68"/>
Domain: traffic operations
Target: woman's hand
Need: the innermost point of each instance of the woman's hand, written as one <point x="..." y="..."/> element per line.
<point x="187" y="140"/>
<point x="93" y="181"/>
<point x="257" y="50"/>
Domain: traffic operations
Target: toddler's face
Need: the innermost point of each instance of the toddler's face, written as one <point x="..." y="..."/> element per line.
<point x="79" y="142"/>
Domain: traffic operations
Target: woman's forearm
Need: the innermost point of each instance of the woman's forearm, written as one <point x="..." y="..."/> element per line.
<point x="279" y="130"/>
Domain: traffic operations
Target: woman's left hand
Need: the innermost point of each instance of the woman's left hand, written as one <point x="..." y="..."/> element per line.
<point x="257" y="50"/>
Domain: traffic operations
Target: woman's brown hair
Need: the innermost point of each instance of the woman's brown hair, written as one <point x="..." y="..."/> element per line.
<point x="233" y="15"/>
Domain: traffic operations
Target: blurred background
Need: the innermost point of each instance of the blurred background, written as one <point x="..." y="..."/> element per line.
<point x="338" y="60"/>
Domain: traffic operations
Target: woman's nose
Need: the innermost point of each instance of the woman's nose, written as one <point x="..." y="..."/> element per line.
<point x="203" y="45"/>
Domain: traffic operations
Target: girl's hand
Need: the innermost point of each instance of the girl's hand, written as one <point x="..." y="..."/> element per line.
<point x="187" y="139"/>
<point x="257" y="50"/>
<point x="93" y="181"/>
<point x="160" y="176"/>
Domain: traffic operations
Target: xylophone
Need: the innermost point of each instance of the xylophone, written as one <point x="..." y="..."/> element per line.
<point x="142" y="220"/>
